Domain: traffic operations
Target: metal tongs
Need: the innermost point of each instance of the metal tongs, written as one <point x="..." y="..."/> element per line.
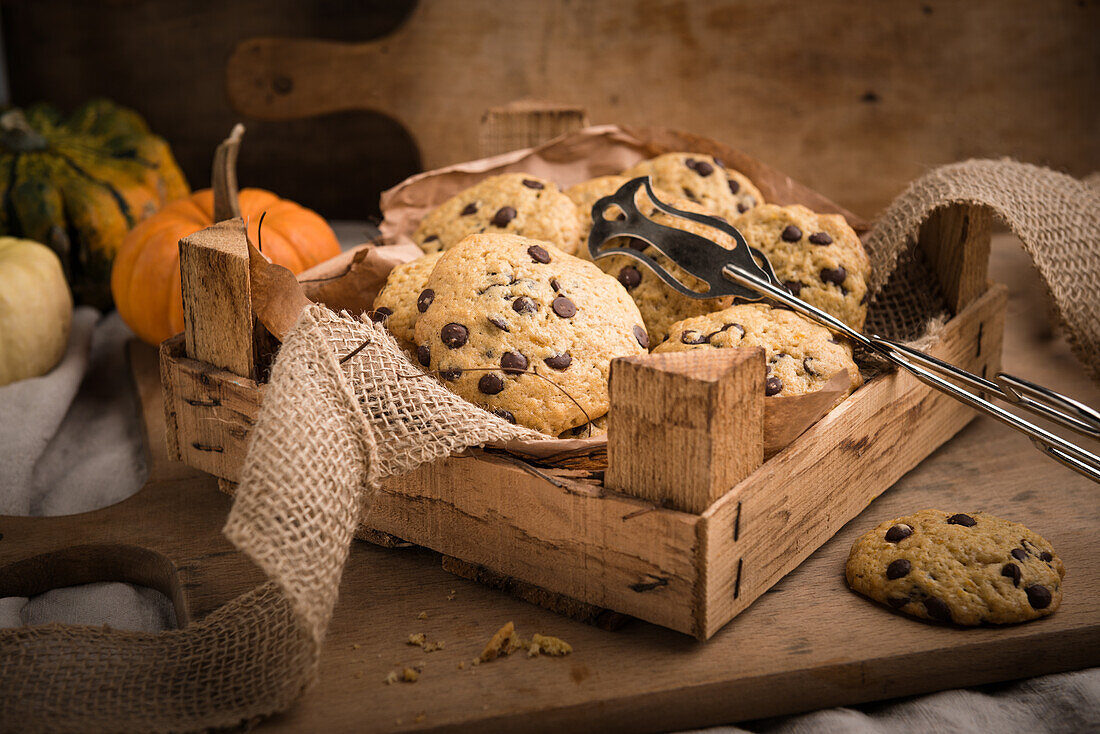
<point x="745" y="273"/>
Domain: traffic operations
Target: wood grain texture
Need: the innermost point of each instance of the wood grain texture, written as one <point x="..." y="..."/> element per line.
<point x="217" y="298"/>
<point x="956" y="241"/>
<point x="807" y="643"/>
<point x="895" y="88"/>
<point x="685" y="427"/>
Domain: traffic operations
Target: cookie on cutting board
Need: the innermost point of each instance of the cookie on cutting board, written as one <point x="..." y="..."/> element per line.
<point x="968" y="569"/>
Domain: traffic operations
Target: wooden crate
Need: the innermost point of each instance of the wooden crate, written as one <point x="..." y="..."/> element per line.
<point x="688" y="525"/>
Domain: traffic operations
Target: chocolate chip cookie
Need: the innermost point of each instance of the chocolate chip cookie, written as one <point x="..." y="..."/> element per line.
<point x="968" y="569"/>
<point x="818" y="256"/>
<point x="398" y="303"/>
<point x="701" y="179"/>
<point x="511" y="203"/>
<point x="800" y="355"/>
<point x="525" y="330"/>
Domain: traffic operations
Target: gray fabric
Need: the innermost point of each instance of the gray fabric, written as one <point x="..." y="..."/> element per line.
<point x="70" y="442"/>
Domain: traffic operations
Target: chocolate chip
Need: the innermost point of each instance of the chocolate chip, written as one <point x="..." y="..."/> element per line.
<point x="863" y="300"/>
<point x="1012" y="571"/>
<point x="452" y="374"/>
<point x="499" y="322"/>
<point x="636" y="244"/>
<point x="1038" y="596"/>
<point x="821" y="238"/>
<point x="490" y="383"/>
<point x="531" y="184"/>
<point x="513" y="362"/>
<point x="1046" y="556"/>
<point x="523" y="304"/>
<point x="538" y="254"/>
<point x="743" y="207"/>
<point x="563" y="307"/>
<point x="642" y="337"/>
<point x="630" y="277"/>
<point x="897" y="602"/>
<point x="735" y="185"/>
<point x="837" y="276"/>
<point x="773" y="386"/>
<point x="505" y="414"/>
<point x="470" y="208"/>
<point x="1019" y="554"/>
<point x="897" y="569"/>
<point x="431" y="238"/>
<point x="806" y="362"/>
<point x="380" y="314"/>
<point x="703" y="168"/>
<point x="791" y="233"/>
<point x="555" y="284"/>
<point x="423" y="355"/>
<point x="794" y="287"/>
<point x="965" y="520"/>
<point x="937" y="609"/>
<point x="898" y="533"/>
<point x="454" y="335"/>
<point x="689" y="194"/>
<point x="559" y="361"/>
<point x="693" y="337"/>
<point x="425" y="299"/>
<point x="504" y="215"/>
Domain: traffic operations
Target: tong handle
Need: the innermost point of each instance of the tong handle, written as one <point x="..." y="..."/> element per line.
<point x="932" y="371"/>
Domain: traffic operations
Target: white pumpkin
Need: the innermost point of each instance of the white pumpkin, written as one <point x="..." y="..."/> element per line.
<point x="36" y="310"/>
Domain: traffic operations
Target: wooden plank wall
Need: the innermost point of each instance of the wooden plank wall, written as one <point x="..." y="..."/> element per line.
<point x="851" y="98"/>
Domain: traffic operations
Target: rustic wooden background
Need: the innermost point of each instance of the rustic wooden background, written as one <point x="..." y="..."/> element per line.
<point x="851" y="98"/>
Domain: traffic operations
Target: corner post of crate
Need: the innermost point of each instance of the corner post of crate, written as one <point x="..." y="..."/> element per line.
<point x="685" y="427"/>
<point x="525" y="124"/>
<point x="956" y="239"/>
<point x="219" y="324"/>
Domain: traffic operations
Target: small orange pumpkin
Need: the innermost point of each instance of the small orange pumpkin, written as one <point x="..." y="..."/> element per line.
<point x="145" y="279"/>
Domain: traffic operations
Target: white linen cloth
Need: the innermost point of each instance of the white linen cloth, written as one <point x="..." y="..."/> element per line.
<point x="70" y="441"/>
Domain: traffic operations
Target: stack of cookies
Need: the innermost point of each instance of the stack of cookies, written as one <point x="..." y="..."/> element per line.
<point x="508" y="310"/>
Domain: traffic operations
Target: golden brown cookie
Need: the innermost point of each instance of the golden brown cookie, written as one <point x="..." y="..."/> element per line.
<point x="818" y="256"/>
<point x="511" y="203"/>
<point x="396" y="304"/>
<point x="701" y="179"/>
<point x="968" y="569"/>
<point x="800" y="355"/>
<point x="500" y="307"/>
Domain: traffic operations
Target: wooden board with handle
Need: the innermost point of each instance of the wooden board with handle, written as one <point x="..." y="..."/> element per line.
<point x="807" y="643"/>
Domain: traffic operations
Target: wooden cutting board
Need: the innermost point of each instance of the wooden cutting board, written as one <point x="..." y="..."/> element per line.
<point x="806" y="644"/>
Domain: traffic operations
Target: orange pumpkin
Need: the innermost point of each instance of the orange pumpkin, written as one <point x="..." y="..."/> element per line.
<point x="145" y="279"/>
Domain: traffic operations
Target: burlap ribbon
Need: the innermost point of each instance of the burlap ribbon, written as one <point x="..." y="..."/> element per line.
<point x="333" y="425"/>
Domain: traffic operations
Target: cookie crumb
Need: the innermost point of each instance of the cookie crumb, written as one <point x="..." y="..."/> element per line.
<point x="451" y="596"/>
<point x="499" y="644"/>
<point x="433" y="646"/>
<point x="422" y="615"/>
<point x="410" y="675"/>
<point x="355" y="646"/>
<point x="390" y="679"/>
<point x="553" y="646"/>
<point x="418" y="719"/>
<point x="417" y="639"/>
<point x="462" y="665"/>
